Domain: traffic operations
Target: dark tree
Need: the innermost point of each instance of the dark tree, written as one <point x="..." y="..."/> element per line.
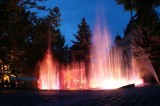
<point x="145" y="26"/>
<point x="127" y="4"/>
<point x="15" y="26"/>
<point x="60" y="51"/>
<point x="81" y="48"/>
<point x="18" y="25"/>
<point x="140" y="7"/>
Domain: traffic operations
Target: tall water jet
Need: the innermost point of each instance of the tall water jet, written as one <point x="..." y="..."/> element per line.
<point x="48" y="71"/>
<point x="109" y="68"/>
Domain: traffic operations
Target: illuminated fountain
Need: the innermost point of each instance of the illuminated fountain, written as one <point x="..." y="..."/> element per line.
<point x="109" y="69"/>
<point x="48" y="72"/>
<point x="73" y="76"/>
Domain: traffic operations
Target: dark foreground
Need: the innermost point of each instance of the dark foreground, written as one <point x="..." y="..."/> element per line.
<point x="139" y="96"/>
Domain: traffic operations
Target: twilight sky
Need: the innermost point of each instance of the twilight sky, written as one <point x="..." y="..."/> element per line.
<point x="72" y="11"/>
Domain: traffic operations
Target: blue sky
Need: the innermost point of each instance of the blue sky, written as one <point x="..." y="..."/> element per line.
<point x="72" y="11"/>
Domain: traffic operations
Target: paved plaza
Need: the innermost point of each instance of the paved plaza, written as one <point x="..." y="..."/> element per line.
<point x="138" y="96"/>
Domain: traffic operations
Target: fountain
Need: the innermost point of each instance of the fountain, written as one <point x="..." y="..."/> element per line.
<point x="48" y="72"/>
<point x="73" y="76"/>
<point x="109" y="67"/>
<point x="108" y="70"/>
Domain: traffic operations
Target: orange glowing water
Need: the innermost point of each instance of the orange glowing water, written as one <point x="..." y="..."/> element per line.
<point x="73" y="76"/>
<point x="108" y="70"/>
<point x="48" y="72"/>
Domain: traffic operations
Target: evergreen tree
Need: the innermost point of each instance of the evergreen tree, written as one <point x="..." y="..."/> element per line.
<point x="81" y="48"/>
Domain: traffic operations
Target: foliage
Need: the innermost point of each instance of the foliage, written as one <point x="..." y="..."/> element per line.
<point x="81" y="48"/>
<point x="24" y="36"/>
<point x="139" y="6"/>
<point x="146" y="24"/>
<point x="15" y="27"/>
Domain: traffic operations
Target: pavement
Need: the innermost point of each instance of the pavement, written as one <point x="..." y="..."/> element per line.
<point x="135" y="96"/>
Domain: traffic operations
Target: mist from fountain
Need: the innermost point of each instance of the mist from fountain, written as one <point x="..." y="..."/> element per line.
<point x="73" y="76"/>
<point x="109" y="68"/>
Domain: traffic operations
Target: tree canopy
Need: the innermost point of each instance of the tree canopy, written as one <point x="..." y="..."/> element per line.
<point x="144" y="26"/>
<point x="24" y="35"/>
<point x="81" y="48"/>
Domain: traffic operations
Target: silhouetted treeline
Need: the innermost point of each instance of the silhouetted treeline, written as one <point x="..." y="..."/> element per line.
<point x="144" y="25"/>
<point x="24" y="37"/>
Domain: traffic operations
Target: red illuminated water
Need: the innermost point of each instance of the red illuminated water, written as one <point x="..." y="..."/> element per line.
<point x="48" y="72"/>
<point x="109" y="68"/>
<point x="73" y="76"/>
